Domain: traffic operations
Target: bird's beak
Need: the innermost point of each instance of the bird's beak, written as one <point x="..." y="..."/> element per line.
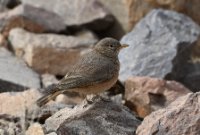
<point x="123" y="46"/>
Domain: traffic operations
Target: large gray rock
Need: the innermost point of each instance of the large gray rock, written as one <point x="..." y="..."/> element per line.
<point x="50" y="53"/>
<point x="32" y="18"/>
<point x="182" y="117"/>
<point x="160" y="46"/>
<point x="89" y="13"/>
<point x="14" y="73"/>
<point x="99" y="118"/>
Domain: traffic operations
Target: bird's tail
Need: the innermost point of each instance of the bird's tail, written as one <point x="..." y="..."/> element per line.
<point x="46" y="98"/>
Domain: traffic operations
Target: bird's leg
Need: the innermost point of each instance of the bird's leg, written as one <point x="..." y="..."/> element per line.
<point x="92" y="98"/>
<point x="104" y="97"/>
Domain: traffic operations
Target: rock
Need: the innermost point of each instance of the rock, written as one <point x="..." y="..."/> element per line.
<point x="10" y="125"/>
<point x="50" y="53"/>
<point x="145" y="95"/>
<point x="182" y="117"/>
<point x="31" y="18"/>
<point x="100" y="117"/>
<point x="15" y="75"/>
<point x="35" y="129"/>
<point x="88" y="13"/>
<point x="17" y="103"/>
<point x="160" y="46"/>
<point x="48" y="79"/>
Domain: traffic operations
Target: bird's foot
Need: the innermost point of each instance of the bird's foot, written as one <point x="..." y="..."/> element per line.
<point x="92" y="98"/>
<point x="105" y="98"/>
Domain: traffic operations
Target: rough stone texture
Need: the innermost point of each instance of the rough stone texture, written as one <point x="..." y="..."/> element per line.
<point x="89" y="13"/>
<point x="50" y="53"/>
<point x="35" y="129"/>
<point x="31" y="18"/>
<point x="145" y="95"/>
<point x="101" y="117"/>
<point x="17" y="103"/>
<point x="15" y="75"/>
<point x="160" y="46"/>
<point x="10" y="125"/>
<point x="182" y="117"/>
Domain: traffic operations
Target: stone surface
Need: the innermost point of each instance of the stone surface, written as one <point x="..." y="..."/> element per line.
<point x="160" y="46"/>
<point x="35" y="129"/>
<point x="31" y="18"/>
<point x="50" y="53"/>
<point x="15" y="75"/>
<point x="89" y="13"/>
<point x="17" y="103"/>
<point x="10" y="125"/>
<point x="182" y="117"/>
<point x="145" y="95"/>
<point x="100" y="117"/>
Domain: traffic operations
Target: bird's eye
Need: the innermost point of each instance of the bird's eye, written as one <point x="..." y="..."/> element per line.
<point x="110" y="45"/>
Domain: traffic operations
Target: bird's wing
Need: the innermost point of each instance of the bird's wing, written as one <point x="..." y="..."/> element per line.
<point x="89" y="71"/>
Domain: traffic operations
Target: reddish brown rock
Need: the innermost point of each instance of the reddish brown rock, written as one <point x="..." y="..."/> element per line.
<point x="182" y="117"/>
<point x="145" y="95"/>
<point x="50" y="53"/>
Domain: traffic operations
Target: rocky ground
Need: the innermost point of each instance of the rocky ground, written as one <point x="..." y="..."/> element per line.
<point x="158" y="88"/>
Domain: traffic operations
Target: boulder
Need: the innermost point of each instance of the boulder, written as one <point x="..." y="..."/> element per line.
<point x="161" y="46"/>
<point x="88" y="13"/>
<point x="100" y="117"/>
<point x="50" y="53"/>
<point x="31" y="18"/>
<point x="145" y="95"/>
<point x="15" y="75"/>
<point x="182" y="117"/>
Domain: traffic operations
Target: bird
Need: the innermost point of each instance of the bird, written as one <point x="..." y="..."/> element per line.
<point x="95" y="72"/>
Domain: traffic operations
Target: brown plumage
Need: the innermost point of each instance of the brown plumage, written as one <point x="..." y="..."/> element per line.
<point x="95" y="72"/>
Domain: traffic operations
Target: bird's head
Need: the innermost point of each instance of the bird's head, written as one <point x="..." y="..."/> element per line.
<point x="109" y="47"/>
